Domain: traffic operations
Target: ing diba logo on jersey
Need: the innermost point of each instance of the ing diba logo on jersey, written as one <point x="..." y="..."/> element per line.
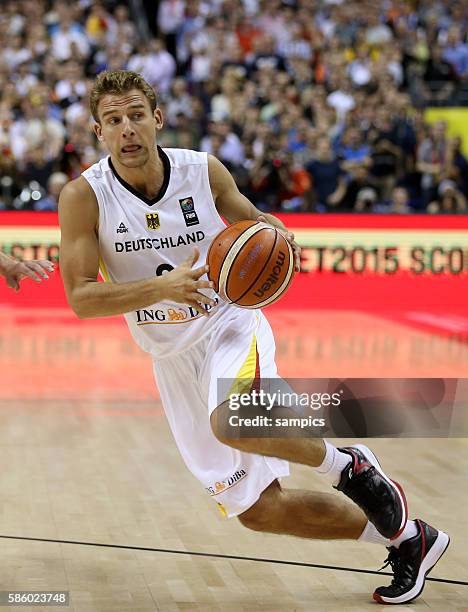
<point x="152" y="221"/>
<point x="223" y="485"/>
<point x="170" y="315"/>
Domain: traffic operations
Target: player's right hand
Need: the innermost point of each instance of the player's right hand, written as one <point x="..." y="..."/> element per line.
<point x="182" y="284"/>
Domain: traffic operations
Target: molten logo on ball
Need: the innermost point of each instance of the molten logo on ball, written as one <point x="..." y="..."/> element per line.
<point x="251" y="264"/>
<point x="274" y="276"/>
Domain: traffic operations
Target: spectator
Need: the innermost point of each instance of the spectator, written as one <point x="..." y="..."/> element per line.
<point x="431" y="159"/>
<point x="15" y="53"/>
<point x="71" y="88"/>
<point x="69" y="41"/>
<point x="377" y="33"/>
<point x="180" y="101"/>
<point x="37" y="42"/>
<point x="265" y="55"/>
<point x="156" y="64"/>
<point x="170" y="19"/>
<point x="24" y="80"/>
<point x="11" y="181"/>
<point x="458" y="164"/>
<point x="230" y="149"/>
<point x="297" y="185"/>
<point x="358" y="186"/>
<point x="365" y="200"/>
<point x="270" y="178"/>
<point x="43" y="129"/>
<point x="450" y="199"/>
<point x="200" y="65"/>
<point x="360" y="69"/>
<point x="456" y="52"/>
<point x="182" y="133"/>
<point x="341" y="99"/>
<point x="399" y="202"/>
<point x="247" y="33"/>
<point x="38" y="167"/>
<point x="354" y="151"/>
<point x="99" y="24"/>
<point x="235" y="64"/>
<point x="124" y="30"/>
<point x="55" y="184"/>
<point x="385" y="153"/>
<point x="439" y="78"/>
<point x="326" y="173"/>
<point x="223" y="104"/>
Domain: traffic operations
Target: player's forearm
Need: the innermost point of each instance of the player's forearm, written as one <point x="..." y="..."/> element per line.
<point x="94" y="299"/>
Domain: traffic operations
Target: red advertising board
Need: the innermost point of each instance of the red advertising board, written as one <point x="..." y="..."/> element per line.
<point x="410" y="267"/>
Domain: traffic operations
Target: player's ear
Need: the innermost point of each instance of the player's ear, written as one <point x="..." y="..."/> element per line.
<point x="158" y="118"/>
<point x="98" y="131"/>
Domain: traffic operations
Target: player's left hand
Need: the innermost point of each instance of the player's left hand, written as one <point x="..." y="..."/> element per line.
<point x="36" y="269"/>
<point x="290" y="238"/>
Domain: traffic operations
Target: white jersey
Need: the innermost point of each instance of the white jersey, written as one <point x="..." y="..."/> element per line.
<point x="141" y="237"/>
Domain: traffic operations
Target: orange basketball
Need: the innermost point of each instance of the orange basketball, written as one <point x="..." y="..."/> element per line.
<point x="251" y="264"/>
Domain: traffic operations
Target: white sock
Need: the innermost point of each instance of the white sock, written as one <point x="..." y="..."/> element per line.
<point x="408" y="532"/>
<point x="370" y="534"/>
<point x="333" y="463"/>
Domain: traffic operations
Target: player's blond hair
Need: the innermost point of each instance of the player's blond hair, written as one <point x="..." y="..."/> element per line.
<point x="117" y="83"/>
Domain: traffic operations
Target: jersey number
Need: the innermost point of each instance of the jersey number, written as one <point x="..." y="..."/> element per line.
<point x="163" y="268"/>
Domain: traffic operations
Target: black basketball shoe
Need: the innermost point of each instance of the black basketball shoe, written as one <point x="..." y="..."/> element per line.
<point x="411" y="563"/>
<point x="381" y="499"/>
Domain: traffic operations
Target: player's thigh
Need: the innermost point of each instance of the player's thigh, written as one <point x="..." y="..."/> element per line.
<point x="237" y="357"/>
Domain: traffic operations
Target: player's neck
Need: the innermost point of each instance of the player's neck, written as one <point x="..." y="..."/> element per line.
<point x="147" y="179"/>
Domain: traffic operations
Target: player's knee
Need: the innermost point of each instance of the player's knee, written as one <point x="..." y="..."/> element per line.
<point x="261" y="515"/>
<point x="219" y="424"/>
<point x="254" y="519"/>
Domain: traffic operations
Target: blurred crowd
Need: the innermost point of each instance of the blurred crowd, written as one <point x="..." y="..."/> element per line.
<point x="313" y="105"/>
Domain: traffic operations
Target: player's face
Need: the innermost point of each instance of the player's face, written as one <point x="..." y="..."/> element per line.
<point x="128" y="127"/>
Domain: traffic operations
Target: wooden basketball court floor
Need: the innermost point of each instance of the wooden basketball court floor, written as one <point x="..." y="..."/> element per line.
<point x="95" y="498"/>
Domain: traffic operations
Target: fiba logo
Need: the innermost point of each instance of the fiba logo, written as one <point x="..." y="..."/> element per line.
<point x="188" y="210"/>
<point x="186" y="205"/>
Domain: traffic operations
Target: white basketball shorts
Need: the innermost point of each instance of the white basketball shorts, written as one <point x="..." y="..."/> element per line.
<point x="240" y="346"/>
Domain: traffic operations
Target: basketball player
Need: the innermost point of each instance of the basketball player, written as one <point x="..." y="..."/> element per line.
<point x="137" y="215"/>
<point x="14" y="271"/>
